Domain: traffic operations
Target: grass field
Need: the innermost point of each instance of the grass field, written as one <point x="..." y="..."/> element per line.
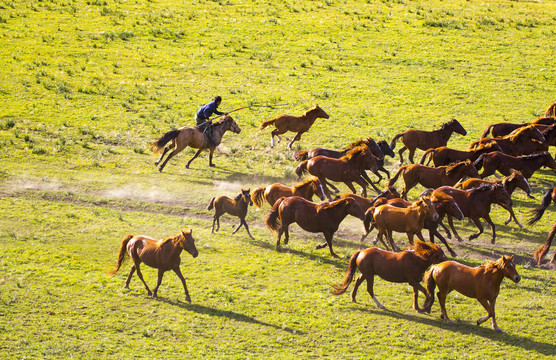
<point x="86" y="86"/>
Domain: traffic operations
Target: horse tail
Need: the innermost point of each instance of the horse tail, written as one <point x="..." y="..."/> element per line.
<point x="258" y="196"/>
<point x="425" y="154"/>
<point x="539" y="211"/>
<point x="479" y="162"/>
<point x="392" y="181"/>
<point x="300" y="155"/>
<point x="487" y="130"/>
<point x="267" y="123"/>
<point x="211" y="204"/>
<point x="121" y="255"/>
<point x="541" y="252"/>
<point x="301" y="168"/>
<point x="393" y="142"/>
<point x="164" y="139"/>
<point x="272" y="218"/>
<point x="352" y="268"/>
<point x="369" y="219"/>
<point x="430" y="283"/>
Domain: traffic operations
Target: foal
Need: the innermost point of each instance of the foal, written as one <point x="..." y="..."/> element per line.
<point x="236" y="207"/>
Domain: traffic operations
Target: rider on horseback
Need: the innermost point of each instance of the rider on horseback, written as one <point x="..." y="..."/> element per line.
<point x="203" y="121"/>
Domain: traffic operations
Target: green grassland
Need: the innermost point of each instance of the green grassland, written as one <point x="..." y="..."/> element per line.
<point x="86" y="86"/>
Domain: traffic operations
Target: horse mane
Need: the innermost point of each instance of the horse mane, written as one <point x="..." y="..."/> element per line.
<point x="238" y="197"/>
<point x="173" y="239"/>
<point x="483" y="187"/>
<point x="382" y="142"/>
<point x="453" y="167"/>
<point x="498" y="264"/>
<point x="488" y="146"/>
<point x="304" y="183"/>
<point x="358" y="143"/>
<point x="222" y="120"/>
<point x="355" y="152"/>
<point x="515" y="173"/>
<point x="448" y="124"/>
<point x="423" y="249"/>
<point x="442" y="196"/>
<point x="518" y="132"/>
<point x="311" y="109"/>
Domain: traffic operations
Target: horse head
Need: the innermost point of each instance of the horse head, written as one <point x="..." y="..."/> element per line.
<point x="385" y="148"/>
<point x="188" y="243"/>
<point x="426" y="204"/>
<point x="246" y="196"/>
<point x="549" y="161"/>
<point x="318" y="112"/>
<point x="501" y="196"/>
<point x="517" y="178"/>
<point x="230" y="124"/>
<point x="506" y="264"/>
<point x="317" y="189"/>
<point x="447" y="204"/>
<point x="353" y="208"/>
<point x="456" y="127"/>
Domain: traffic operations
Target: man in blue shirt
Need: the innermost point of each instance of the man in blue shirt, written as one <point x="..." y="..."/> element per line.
<point x="202" y="118"/>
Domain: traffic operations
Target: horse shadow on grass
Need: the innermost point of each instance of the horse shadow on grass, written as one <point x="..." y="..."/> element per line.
<point x="232" y="315"/>
<point x="470" y="329"/>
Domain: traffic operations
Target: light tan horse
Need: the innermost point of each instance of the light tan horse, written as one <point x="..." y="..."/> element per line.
<point x="190" y="136"/>
<point x="305" y="189"/>
<point x="163" y="255"/>
<point x="299" y="124"/>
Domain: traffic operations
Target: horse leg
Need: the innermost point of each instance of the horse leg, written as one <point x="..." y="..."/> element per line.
<point x="451" y="223"/>
<point x="334" y="188"/>
<point x="401" y="156"/>
<point x="328" y="236"/>
<point x="416" y="288"/>
<point x="489" y="307"/>
<point x="442" y="301"/>
<point x="489" y="221"/>
<point x="367" y="233"/>
<point x="477" y="222"/>
<point x="391" y="241"/>
<point x="149" y="292"/>
<point x="194" y="157"/>
<point x="160" y="275"/>
<point x="512" y="216"/>
<point x="363" y="185"/>
<point x="446" y="230"/>
<point x="286" y="236"/>
<point x="434" y="232"/>
<point x="325" y="184"/>
<point x="214" y="220"/>
<point x="370" y="283"/>
<point x="276" y="133"/>
<point x="247" y="228"/>
<point x="411" y="153"/>
<point x="296" y="138"/>
<point x="211" y="153"/>
<point x="357" y="283"/>
<point x="168" y="158"/>
<point x="166" y="149"/>
<point x="178" y="272"/>
<point x="385" y="171"/>
<point x="368" y="180"/>
<point x="129" y="277"/>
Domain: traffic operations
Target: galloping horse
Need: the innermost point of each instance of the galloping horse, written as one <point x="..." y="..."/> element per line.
<point x="191" y="136"/>
<point x="505" y="128"/>
<point x="305" y="189"/>
<point x="410" y="220"/>
<point x="541" y="252"/>
<point x="424" y="140"/>
<point x="163" y="255"/>
<point x="505" y="164"/>
<point x="404" y="267"/>
<point x="433" y="177"/>
<point x="325" y="217"/>
<point x="346" y="169"/>
<point x="481" y="283"/>
<point x="523" y="141"/>
<point x="236" y="207"/>
<point x="299" y="124"/>
<point x="475" y="204"/>
<point x="445" y="156"/>
<point x="549" y="197"/>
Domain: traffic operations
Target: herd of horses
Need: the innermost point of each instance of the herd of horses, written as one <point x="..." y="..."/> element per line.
<point x="454" y="188"/>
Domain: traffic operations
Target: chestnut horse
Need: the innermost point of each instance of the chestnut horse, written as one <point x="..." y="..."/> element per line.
<point x="475" y="204"/>
<point x="481" y="283"/>
<point x="236" y="207"/>
<point x="299" y="124"/>
<point x="324" y="217"/>
<point x="433" y="177"/>
<point x="410" y="220"/>
<point x="163" y="255"/>
<point x="424" y="140"/>
<point x="549" y="197"/>
<point x="505" y="164"/>
<point x="541" y="252"/>
<point x="186" y="136"/>
<point x="523" y="141"/>
<point x="505" y="128"/>
<point x="305" y="189"/>
<point x="346" y="169"/>
<point x="445" y="156"/>
<point x="404" y="267"/>
<point x="365" y="203"/>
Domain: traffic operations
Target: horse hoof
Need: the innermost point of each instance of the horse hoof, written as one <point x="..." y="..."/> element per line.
<point x="188" y="299"/>
<point x="212" y="165"/>
<point x="453" y="254"/>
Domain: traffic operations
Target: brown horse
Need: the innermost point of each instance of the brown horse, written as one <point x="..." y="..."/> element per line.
<point x="505" y="164"/>
<point x="424" y="140"/>
<point x="299" y="124"/>
<point x="541" y="252"/>
<point x="236" y="207"/>
<point x="481" y="283"/>
<point x="325" y="217"/>
<point x="186" y="136"/>
<point x="306" y="189"/>
<point x="505" y="128"/>
<point x="163" y="255"/>
<point x="549" y="197"/>
<point x="366" y="203"/>
<point x="433" y="177"/>
<point x="404" y="267"/>
<point x="525" y="140"/>
<point x="445" y="156"/>
<point x="346" y="169"/>
<point x="475" y="204"/>
<point x="409" y="220"/>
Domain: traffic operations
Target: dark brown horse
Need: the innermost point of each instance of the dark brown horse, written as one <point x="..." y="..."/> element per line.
<point x="526" y="140"/>
<point x="443" y="156"/>
<point x="191" y="136"/>
<point x="306" y="189"/>
<point x="505" y="164"/>
<point x="549" y="197"/>
<point x="346" y="169"/>
<point x="424" y="140"/>
<point x="236" y="207"/>
<point x="505" y="128"/>
<point x="299" y="124"/>
<point x="163" y="255"/>
<point x="433" y="177"/>
<point x="475" y="204"/>
<point x="315" y="218"/>
<point x="543" y="250"/>
<point x="481" y="283"/>
<point x="409" y="220"/>
<point x="404" y="267"/>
